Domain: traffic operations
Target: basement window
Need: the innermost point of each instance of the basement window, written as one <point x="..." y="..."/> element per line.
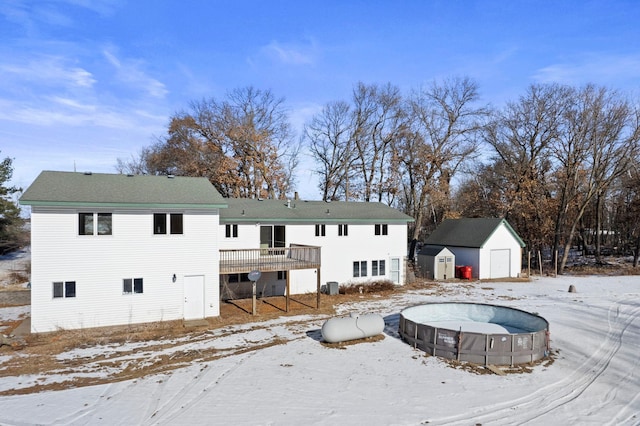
<point x="238" y="278"/>
<point x="64" y="289"/>
<point x="378" y="267"/>
<point x="132" y="285"/>
<point x="360" y="268"/>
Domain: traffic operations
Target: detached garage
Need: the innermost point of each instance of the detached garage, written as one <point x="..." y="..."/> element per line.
<point x="490" y="246"/>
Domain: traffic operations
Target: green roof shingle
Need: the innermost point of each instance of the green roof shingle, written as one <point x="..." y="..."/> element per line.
<point x="467" y="232"/>
<point x="71" y="189"/>
<point x="252" y="210"/>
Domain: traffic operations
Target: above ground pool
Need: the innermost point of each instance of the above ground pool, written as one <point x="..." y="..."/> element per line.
<point x="474" y="332"/>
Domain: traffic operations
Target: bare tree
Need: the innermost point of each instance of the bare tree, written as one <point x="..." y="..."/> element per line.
<point x="439" y="137"/>
<point x="377" y="121"/>
<point x="521" y="135"/>
<point x="135" y="165"/>
<point x="329" y="139"/>
<point x="627" y="211"/>
<point x="604" y="132"/>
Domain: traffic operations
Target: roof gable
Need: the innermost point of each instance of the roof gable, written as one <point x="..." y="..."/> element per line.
<point x="252" y="210"/>
<point x="435" y="251"/>
<point x="468" y="232"/>
<point x="71" y="189"/>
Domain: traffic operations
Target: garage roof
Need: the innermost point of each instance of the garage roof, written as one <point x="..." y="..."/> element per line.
<point x="468" y="232"/>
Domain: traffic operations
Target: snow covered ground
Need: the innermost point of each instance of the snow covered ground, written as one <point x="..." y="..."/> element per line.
<point x="17" y="261"/>
<point x="594" y="379"/>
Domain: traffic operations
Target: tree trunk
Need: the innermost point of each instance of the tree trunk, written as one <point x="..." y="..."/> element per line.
<point x="598" y="229"/>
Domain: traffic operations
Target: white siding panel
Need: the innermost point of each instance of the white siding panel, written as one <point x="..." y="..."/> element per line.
<point x="98" y="264"/>
<point x="502" y="239"/>
<point x="338" y="252"/>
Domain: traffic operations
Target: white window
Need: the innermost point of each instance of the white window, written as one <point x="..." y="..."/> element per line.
<point x="360" y="268"/>
<point x="320" y="230"/>
<point x="86" y="223"/>
<point x="231" y="231"/>
<point x="132" y="285"/>
<point x="238" y="278"/>
<point x="343" y="230"/>
<point x="381" y="229"/>
<point x="160" y="223"/>
<point x="378" y="267"/>
<point x="64" y="289"/>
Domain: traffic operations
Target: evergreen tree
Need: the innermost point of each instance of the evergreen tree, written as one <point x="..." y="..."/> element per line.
<point x="12" y="234"/>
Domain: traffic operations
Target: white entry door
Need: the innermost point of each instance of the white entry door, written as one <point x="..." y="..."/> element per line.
<point x="394" y="272"/>
<point x="194" y="297"/>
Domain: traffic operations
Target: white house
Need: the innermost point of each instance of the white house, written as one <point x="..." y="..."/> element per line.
<point x="358" y="241"/>
<point x="119" y="249"/>
<point x="490" y="246"/>
<point x="115" y="249"/>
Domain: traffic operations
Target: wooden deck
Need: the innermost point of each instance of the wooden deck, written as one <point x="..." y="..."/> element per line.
<point x="296" y="256"/>
<point x="269" y="259"/>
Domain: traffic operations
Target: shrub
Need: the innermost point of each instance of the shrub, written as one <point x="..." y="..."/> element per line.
<point x="367" y="287"/>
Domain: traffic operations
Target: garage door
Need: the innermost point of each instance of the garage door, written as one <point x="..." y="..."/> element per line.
<point x="500" y="263"/>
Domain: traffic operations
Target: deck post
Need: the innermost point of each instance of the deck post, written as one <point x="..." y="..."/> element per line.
<point x="288" y="293"/>
<point x="253" y="300"/>
<point x="318" y="289"/>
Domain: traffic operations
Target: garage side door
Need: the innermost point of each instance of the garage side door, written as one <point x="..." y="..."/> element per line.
<point x="500" y="263"/>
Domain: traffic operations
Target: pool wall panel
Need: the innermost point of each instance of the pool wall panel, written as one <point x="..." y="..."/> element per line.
<point x="478" y="348"/>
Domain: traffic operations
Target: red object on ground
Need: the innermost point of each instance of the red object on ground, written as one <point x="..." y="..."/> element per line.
<point x="465" y="272"/>
<point x="459" y="271"/>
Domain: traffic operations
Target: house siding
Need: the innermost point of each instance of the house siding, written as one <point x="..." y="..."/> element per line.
<point x="338" y="252"/>
<point x="98" y="265"/>
<point x="501" y="239"/>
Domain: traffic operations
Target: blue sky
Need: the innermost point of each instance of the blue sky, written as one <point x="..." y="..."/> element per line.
<point x="84" y="82"/>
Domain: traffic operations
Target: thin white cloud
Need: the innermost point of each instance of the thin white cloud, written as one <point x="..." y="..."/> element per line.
<point x="600" y="69"/>
<point x="60" y="111"/>
<point x="72" y="103"/>
<point x="291" y="53"/>
<point x="45" y="115"/>
<point x="31" y="14"/>
<point x="102" y="7"/>
<point x="504" y="55"/>
<point x="130" y="73"/>
<point x="302" y="114"/>
<point x="47" y="70"/>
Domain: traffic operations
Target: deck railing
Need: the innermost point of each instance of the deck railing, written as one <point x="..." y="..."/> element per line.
<point x="269" y="259"/>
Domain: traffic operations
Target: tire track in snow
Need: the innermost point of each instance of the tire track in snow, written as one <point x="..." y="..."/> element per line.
<point x="79" y="416"/>
<point x="177" y="405"/>
<point x="551" y="397"/>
